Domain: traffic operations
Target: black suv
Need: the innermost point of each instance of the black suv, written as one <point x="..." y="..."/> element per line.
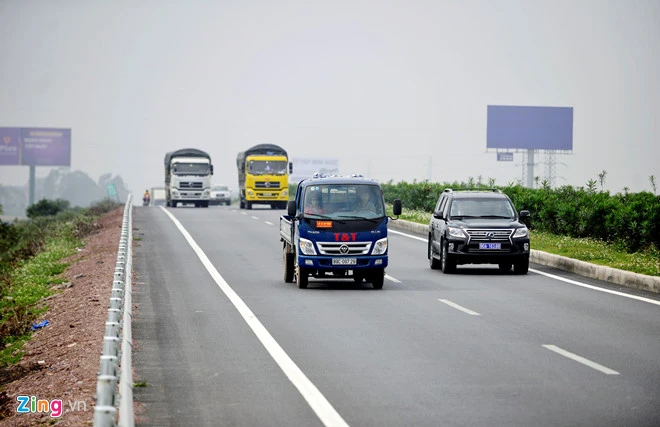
<point x="477" y="227"/>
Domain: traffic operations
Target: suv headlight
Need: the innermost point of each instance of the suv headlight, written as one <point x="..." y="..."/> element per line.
<point x="380" y="247"/>
<point x="521" y="232"/>
<point x="307" y="247"/>
<point x="456" y="232"/>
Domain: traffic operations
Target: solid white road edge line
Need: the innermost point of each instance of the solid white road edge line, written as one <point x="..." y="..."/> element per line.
<point x="581" y="359"/>
<point x="319" y="404"/>
<point x="458" y="307"/>
<point x="388" y="277"/>
<point x="553" y="276"/>
<point x="596" y="288"/>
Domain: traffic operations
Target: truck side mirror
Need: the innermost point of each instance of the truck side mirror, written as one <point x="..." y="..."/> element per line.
<point x="290" y="167"/>
<point x="211" y="169"/>
<point x="396" y="209"/>
<point x="291" y="208"/>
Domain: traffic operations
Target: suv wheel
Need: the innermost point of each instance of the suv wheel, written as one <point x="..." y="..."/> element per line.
<point x="433" y="261"/>
<point x="521" y="267"/>
<point x="448" y="263"/>
<point x="505" y="266"/>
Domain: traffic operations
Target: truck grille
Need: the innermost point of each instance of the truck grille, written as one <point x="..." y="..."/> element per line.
<point x="190" y="185"/>
<point x="479" y="235"/>
<point x="266" y="184"/>
<point x="334" y="248"/>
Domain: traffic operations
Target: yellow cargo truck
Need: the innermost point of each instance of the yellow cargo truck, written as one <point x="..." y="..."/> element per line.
<point x="263" y="176"/>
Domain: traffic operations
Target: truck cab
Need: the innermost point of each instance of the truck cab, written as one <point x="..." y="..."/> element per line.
<point x="336" y="228"/>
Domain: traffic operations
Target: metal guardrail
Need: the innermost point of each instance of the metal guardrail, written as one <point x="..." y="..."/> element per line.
<point x="114" y="390"/>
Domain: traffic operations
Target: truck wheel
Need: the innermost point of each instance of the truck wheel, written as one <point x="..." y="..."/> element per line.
<point x="248" y="205"/>
<point x="301" y="278"/>
<point x="205" y="204"/>
<point x="173" y="204"/>
<point x="433" y="261"/>
<point x="287" y="261"/>
<point x="241" y="205"/>
<point x="228" y="202"/>
<point x="378" y="279"/>
<point x="448" y="264"/>
<point x="521" y="267"/>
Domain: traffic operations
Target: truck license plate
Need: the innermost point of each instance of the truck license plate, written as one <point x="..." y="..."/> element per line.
<point x="490" y="246"/>
<point x="344" y="261"/>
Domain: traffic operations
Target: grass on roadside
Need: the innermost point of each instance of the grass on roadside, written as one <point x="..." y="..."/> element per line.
<point x="597" y="252"/>
<point x="30" y="282"/>
<point x="584" y="249"/>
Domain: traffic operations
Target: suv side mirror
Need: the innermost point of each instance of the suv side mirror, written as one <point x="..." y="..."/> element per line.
<point x="396" y="209"/>
<point x="524" y="214"/>
<point x="291" y="208"/>
<point x="437" y="215"/>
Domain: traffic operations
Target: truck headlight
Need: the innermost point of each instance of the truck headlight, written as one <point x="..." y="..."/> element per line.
<point x="380" y="247"/>
<point x="250" y="193"/>
<point x="456" y="232"/>
<point x="521" y="232"/>
<point x="285" y="193"/>
<point x="307" y="247"/>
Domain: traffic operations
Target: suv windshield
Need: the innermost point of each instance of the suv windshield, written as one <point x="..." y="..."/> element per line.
<point x="482" y="208"/>
<point x="344" y="201"/>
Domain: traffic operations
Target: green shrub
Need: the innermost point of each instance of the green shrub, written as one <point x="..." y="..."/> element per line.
<point x="102" y="207"/>
<point x="630" y="220"/>
<point x="45" y="207"/>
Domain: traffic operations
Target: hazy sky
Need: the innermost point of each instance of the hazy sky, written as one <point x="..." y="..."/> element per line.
<point x="395" y="89"/>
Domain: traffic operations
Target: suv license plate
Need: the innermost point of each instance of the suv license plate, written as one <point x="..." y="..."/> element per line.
<point x="344" y="261"/>
<point x="490" y="246"/>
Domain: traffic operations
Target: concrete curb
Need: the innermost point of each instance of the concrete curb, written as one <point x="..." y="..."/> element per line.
<point x="582" y="268"/>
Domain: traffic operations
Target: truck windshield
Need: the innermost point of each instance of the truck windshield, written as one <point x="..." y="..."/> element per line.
<point x="342" y="201"/>
<point x="191" y="169"/>
<point x="267" y="167"/>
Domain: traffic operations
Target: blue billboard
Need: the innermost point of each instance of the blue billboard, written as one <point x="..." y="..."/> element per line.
<point x="542" y="128"/>
<point x="35" y="146"/>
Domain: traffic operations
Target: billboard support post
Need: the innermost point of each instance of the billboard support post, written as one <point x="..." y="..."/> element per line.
<point x="530" y="168"/>
<point x="32" y="181"/>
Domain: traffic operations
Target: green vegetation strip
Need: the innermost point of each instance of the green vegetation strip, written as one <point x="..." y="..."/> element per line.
<point x="584" y="249"/>
<point x="31" y="282"/>
<point x="598" y="252"/>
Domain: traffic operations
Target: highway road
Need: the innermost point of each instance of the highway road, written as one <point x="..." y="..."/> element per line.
<point x="220" y="339"/>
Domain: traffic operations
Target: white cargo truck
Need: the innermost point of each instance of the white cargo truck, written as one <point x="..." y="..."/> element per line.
<point x="188" y="177"/>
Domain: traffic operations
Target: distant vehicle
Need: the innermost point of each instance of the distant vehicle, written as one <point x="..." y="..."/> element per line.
<point x="158" y="196"/>
<point x="477" y="227"/>
<point x="263" y="176"/>
<point x="188" y="177"/>
<point x="336" y="228"/>
<point x="220" y="194"/>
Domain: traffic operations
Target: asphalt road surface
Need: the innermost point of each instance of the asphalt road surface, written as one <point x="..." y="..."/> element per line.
<point x="221" y="340"/>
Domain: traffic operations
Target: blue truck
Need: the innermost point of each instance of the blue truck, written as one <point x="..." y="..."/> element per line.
<point x="336" y="228"/>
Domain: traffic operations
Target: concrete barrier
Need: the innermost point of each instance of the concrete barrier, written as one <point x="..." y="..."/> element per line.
<point x="582" y="268"/>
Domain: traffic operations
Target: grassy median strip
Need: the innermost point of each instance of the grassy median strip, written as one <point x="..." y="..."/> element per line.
<point x="598" y="252"/>
<point x="585" y="249"/>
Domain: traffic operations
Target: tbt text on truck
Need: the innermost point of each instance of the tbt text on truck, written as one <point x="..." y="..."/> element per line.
<point x="336" y="228"/>
<point x="188" y="177"/>
<point x="263" y="176"/>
